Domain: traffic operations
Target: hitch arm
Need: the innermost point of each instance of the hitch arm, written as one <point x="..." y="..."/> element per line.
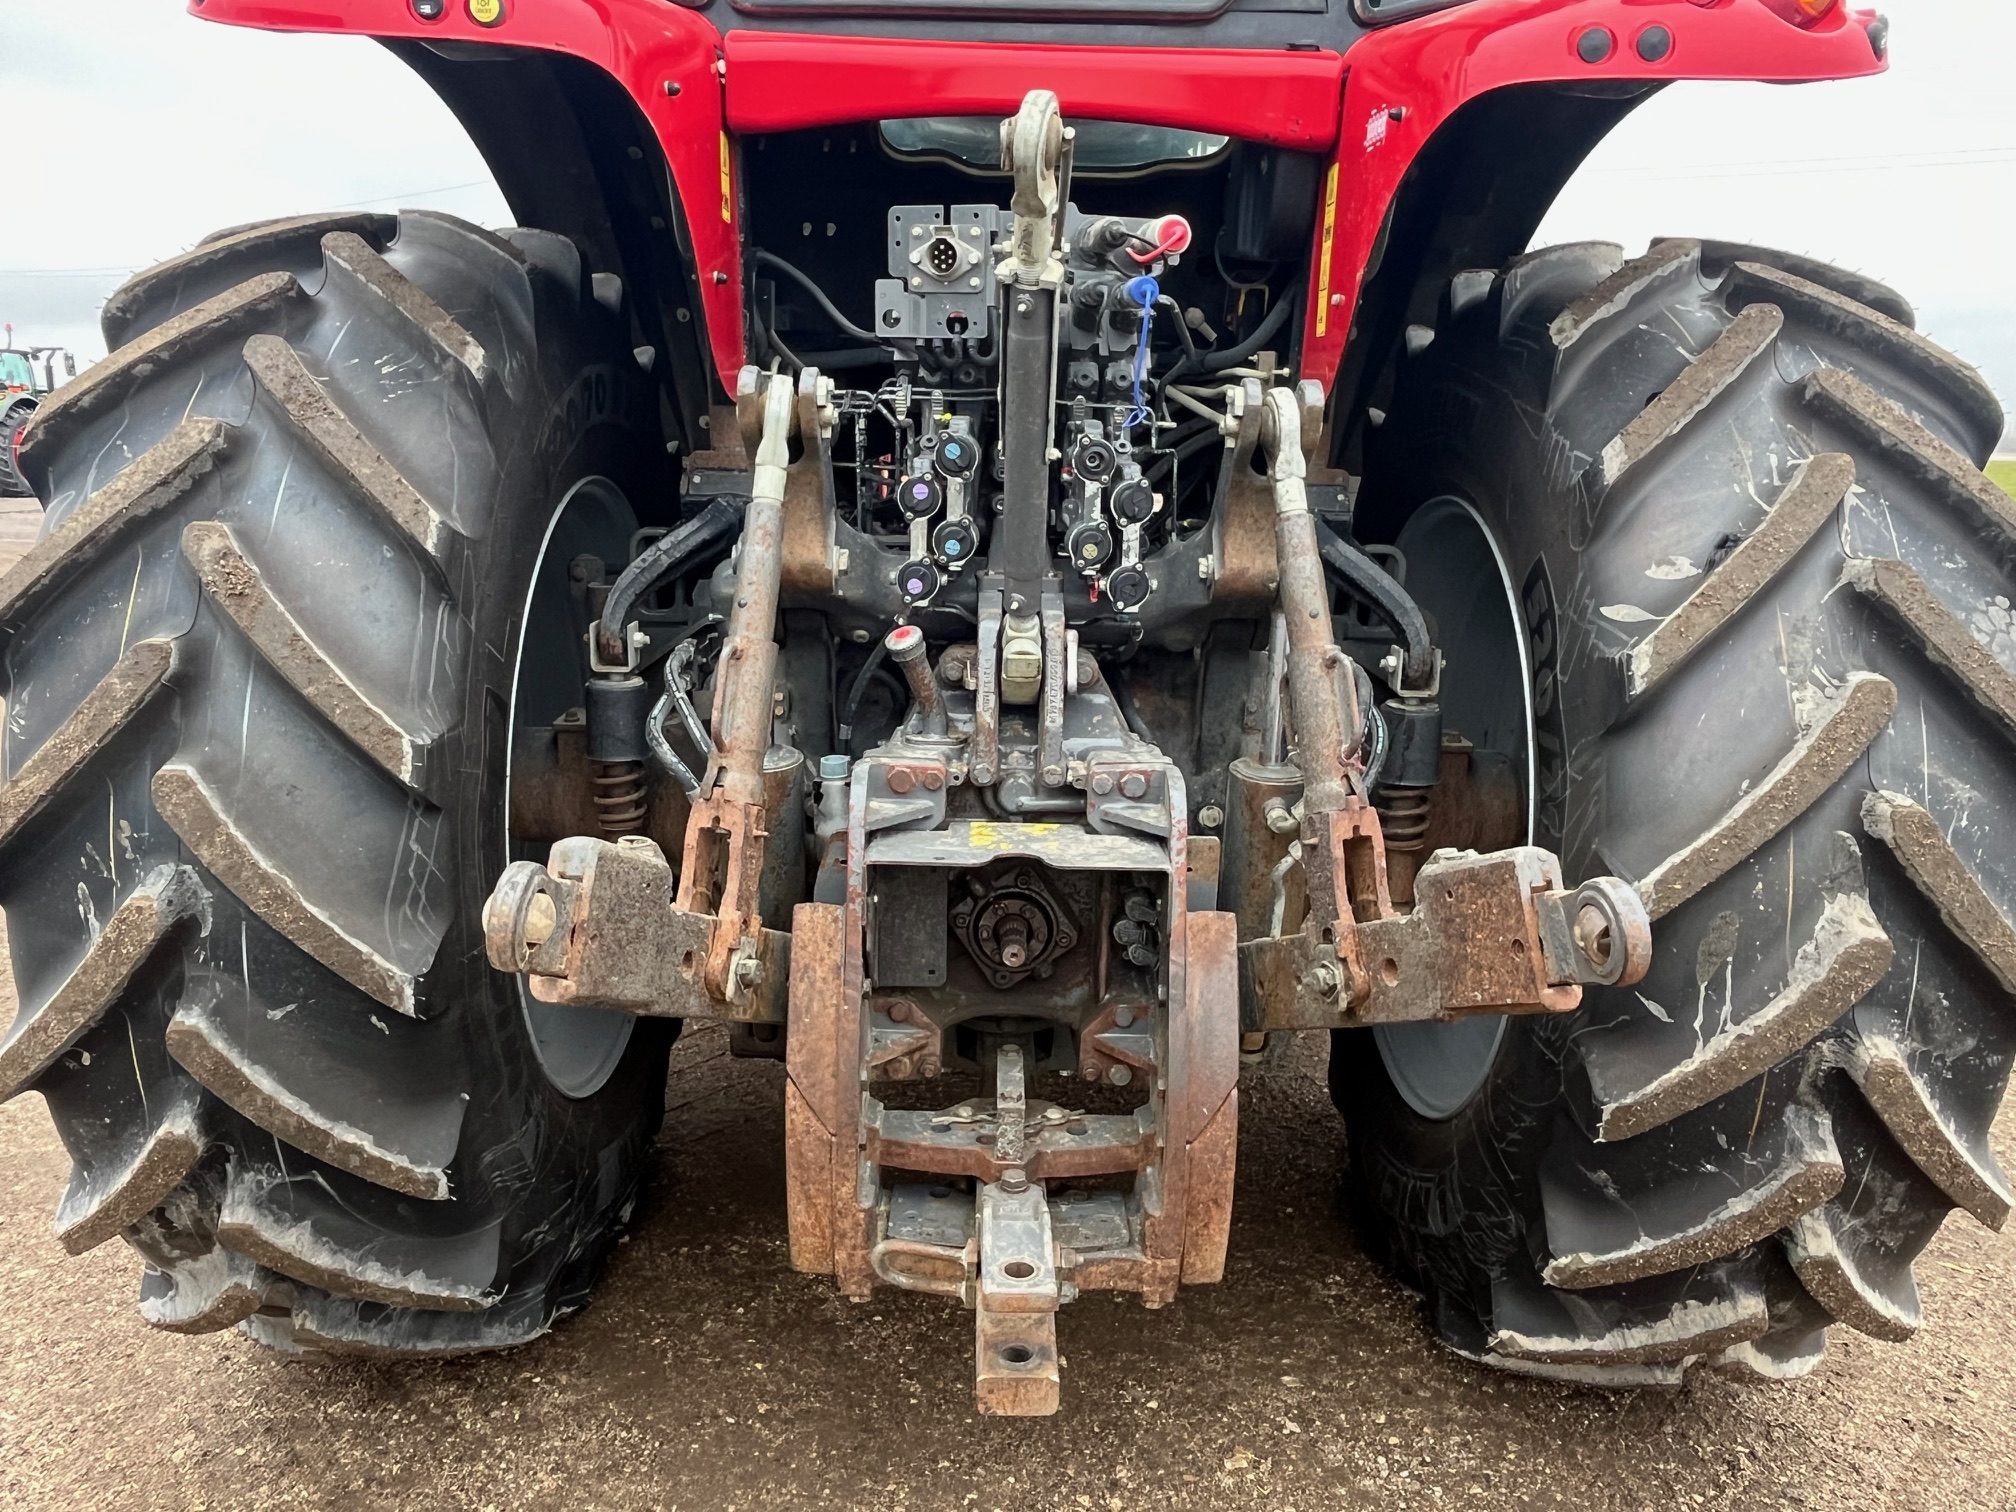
<point x="1491" y="933"/>
<point x="599" y="924"/>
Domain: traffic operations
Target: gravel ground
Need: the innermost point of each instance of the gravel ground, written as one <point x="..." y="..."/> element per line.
<point x="709" y="1375"/>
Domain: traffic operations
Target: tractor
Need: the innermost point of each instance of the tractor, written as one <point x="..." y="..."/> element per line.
<point x="27" y="375"/>
<point x="1015" y="555"/>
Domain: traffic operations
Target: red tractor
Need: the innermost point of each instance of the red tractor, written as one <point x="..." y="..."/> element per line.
<point x="27" y="375"/>
<point x="1016" y="573"/>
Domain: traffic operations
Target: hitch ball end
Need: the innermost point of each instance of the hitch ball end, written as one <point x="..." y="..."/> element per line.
<point x="519" y="916"/>
<point x="1607" y="941"/>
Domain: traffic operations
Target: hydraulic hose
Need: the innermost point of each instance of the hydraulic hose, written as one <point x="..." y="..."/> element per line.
<point x="654" y="564"/>
<point x="804" y="281"/>
<point x="1217" y="362"/>
<point x="866" y="675"/>
<point x="1231" y="357"/>
<point x="1365" y="579"/>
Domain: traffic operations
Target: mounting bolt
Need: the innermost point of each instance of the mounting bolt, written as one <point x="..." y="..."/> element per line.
<point x="1280" y="817"/>
<point x="1122" y="1017"/>
<point x="1324" y="979"/>
<point x="1133" y="785"/>
<point x="1102" y="783"/>
<point x="1210" y="816"/>
<point x="934" y="779"/>
<point x="748" y="973"/>
<point x="901" y="780"/>
<point x="1119" y="1076"/>
<point x="1014" y="1179"/>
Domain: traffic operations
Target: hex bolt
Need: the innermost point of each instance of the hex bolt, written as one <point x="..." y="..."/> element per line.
<point x="1280" y="817"/>
<point x="1133" y="785"/>
<point x="1324" y="979"/>
<point x="1014" y="1179"/>
<point x="1119" y="1076"/>
<point x="1102" y="783"/>
<point x="1122" y="1017"/>
<point x="748" y="973"/>
<point x="901" y="780"/>
<point x="1210" y="816"/>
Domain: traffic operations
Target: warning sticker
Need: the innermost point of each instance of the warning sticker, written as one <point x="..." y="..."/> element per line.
<point x="1323" y="258"/>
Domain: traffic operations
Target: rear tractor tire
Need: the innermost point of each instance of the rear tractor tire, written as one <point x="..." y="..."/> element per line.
<point x="1726" y="533"/>
<point x="15" y="414"/>
<point x="261" y="673"/>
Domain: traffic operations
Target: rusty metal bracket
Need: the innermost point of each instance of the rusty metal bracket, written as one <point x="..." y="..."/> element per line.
<point x="1242" y="528"/>
<point x="1493" y="933"/>
<point x="1488" y="934"/>
<point x="808" y="547"/>
<point x="1016" y="1296"/>
<point x="595" y="927"/>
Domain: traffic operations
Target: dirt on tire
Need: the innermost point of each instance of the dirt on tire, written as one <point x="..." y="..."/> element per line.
<point x="710" y="1375"/>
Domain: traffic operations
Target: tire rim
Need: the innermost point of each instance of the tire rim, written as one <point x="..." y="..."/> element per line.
<point x="577" y="1048"/>
<point x="1452" y="555"/>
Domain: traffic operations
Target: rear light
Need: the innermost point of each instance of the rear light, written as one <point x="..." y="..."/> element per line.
<point x="1804" y="12"/>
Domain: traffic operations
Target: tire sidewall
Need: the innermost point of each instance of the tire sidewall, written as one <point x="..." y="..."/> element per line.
<point x="1451" y="1202"/>
<point x="588" y="417"/>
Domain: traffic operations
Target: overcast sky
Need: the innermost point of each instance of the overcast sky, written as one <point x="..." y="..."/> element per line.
<point x="155" y="128"/>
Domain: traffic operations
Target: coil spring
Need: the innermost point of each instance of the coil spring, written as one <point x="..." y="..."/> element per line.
<point x="1403" y="816"/>
<point x="619" y="797"/>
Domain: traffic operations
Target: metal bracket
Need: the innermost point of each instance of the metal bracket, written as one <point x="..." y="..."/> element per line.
<point x="1016" y="1296"/>
<point x="595" y="927"/>
<point x="1489" y="934"/>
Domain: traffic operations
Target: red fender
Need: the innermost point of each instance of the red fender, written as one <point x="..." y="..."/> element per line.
<point x="1372" y="110"/>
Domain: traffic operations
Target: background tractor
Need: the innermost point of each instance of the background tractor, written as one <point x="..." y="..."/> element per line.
<point x="27" y="375"/>
<point x="1016" y="554"/>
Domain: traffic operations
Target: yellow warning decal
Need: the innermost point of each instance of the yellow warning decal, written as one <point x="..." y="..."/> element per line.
<point x="727" y="183"/>
<point x="1323" y="264"/>
<point x="989" y="835"/>
<point x="486" y="12"/>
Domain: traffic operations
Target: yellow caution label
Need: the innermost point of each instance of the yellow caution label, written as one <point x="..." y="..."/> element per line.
<point x="486" y="12"/>
<point x="1323" y="262"/>
<point x="988" y="835"/>
<point x="727" y="182"/>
